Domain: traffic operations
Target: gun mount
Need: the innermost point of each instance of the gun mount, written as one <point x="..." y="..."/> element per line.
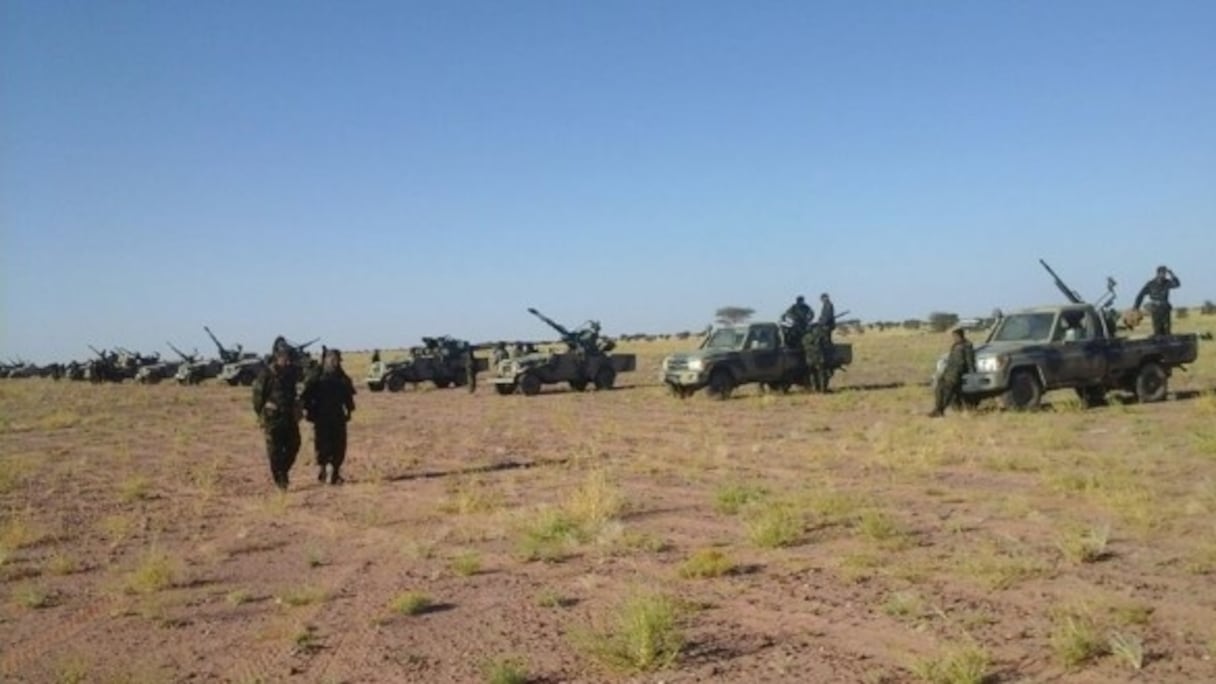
<point x="226" y="355"/>
<point x="1104" y="304"/>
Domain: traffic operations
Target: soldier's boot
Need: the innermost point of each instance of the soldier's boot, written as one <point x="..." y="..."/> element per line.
<point x="280" y="480"/>
<point x="321" y="474"/>
<point x="335" y="478"/>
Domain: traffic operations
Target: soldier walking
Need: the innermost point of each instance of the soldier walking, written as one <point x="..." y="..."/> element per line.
<point x="1158" y="292"/>
<point x="960" y="361"/>
<point x="278" y="410"/>
<point x="329" y="399"/>
<point x="813" y="342"/>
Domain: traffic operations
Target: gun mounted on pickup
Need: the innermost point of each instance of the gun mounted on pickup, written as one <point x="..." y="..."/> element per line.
<point x="1104" y="305"/>
<point x="226" y="355"/>
<point x="187" y="358"/>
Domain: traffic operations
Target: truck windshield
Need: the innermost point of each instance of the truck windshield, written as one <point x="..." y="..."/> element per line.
<point x="726" y="338"/>
<point x="1028" y="327"/>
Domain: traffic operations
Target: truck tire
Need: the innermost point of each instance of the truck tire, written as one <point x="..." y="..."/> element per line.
<point x="395" y="383"/>
<point x="578" y="385"/>
<point x="1024" y="391"/>
<point x="605" y="378"/>
<point x="442" y="384"/>
<point x="529" y="384"/>
<point x="721" y="384"/>
<point x="1092" y="396"/>
<point x="375" y="386"/>
<point x="504" y="389"/>
<point x="1152" y="383"/>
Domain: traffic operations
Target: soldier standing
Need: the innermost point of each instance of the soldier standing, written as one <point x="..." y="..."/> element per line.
<point x="499" y="354"/>
<point x="278" y="410"/>
<point x="827" y="315"/>
<point x="329" y="399"/>
<point x="959" y="362"/>
<point x="816" y="361"/>
<point x="799" y="316"/>
<point x="1158" y="292"/>
<point x="470" y="368"/>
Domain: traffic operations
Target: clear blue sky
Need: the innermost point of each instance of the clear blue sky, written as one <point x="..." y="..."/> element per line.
<point x="371" y="172"/>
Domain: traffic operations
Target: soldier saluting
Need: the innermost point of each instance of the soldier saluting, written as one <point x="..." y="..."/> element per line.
<point x="279" y="411"/>
<point x="1158" y="292"/>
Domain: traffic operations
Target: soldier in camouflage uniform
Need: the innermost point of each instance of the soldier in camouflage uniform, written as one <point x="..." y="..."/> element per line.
<point x="329" y="400"/>
<point x="1158" y="292"/>
<point x="278" y="410"/>
<point x="470" y="369"/>
<point x="961" y="360"/>
<point x="814" y="343"/>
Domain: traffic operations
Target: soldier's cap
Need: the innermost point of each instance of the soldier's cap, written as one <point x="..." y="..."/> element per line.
<point x="823" y="296"/>
<point x="280" y="343"/>
<point x="800" y="299"/>
<point x="1162" y="269"/>
<point x="334" y="353"/>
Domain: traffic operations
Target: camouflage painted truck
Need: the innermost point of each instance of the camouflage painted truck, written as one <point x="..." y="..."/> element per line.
<point x="441" y="360"/>
<point x="1073" y="346"/>
<point x="587" y="361"/>
<point x="735" y="355"/>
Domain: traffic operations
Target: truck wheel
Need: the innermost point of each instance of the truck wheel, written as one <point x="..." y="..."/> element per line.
<point x="721" y="383"/>
<point x="505" y="389"/>
<point x="375" y="386"/>
<point x="529" y="384"/>
<point x="1092" y="396"/>
<point x="443" y="384"/>
<point x="578" y="385"/>
<point x="605" y="377"/>
<point x="1152" y="384"/>
<point x="1024" y="391"/>
<point x="395" y="383"/>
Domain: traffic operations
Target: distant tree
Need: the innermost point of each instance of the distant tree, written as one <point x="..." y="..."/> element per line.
<point x="940" y="321"/>
<point x="683" y="335"/>
<point x="1208" y="308"/>
<point x="912" y="324"/>
<point x="1182" y="311"/>
<point x="731" y="315"/>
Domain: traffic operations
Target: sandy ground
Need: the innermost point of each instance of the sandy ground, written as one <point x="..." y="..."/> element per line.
<point x="860" y="541"/>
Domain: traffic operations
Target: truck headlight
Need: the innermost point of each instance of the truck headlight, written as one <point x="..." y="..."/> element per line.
<point x="989" y="364"/>
<point x="696" y="365"/>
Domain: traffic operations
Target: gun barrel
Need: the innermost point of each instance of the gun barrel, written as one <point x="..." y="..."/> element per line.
<point x="1069" y="293"/>
<point x="552" y="324"/>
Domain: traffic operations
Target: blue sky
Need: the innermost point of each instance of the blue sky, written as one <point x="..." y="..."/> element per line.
<point x="371" y="172"/>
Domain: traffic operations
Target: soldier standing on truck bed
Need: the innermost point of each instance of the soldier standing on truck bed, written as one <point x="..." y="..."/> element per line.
<point x="799" y="316"/>
<point x="470" y="369"/>
<point x="961" y="360"/>
<point x="278" y="410"/>
<point x="1158" y="292"/>
<point x="329" y="399"/>
<point x="827" y="315"/>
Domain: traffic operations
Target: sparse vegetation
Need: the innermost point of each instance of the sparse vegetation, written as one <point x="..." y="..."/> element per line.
<point x="238" y="597"/>
<point x="967" y="664"/>
<point x="1127" y="648"/>
<point x="411" y="603"/>
<point x="135" y="488"/>
<point x="642" y="635"/>
<point x="1084" y="545"/>
<point x="1076" y="640"/>
<point x="155" y="571"/>
<point x="775" y="524"/>
<point x="731" y="498"/>
<point x="506" y="671"/>
<point x="32" y="596"/>
<point x="467" y="564"/>
<point x="706" y="563"/>
<point x="62" y="564"/>
<point x="301" y="596"/>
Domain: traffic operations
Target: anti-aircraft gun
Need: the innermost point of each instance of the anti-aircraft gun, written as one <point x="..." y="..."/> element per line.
<point x="104" y="368"/>
<point x="585" y="362"/>
<point x="1104" y="305"/>
<point x="441" y="360"/>
<point x="194" y="369"/>
<point x="245" y="369"/>
<point x="153" y="373"/>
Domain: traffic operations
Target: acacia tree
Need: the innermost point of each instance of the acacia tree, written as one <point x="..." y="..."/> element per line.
<point x="730" y="315"/>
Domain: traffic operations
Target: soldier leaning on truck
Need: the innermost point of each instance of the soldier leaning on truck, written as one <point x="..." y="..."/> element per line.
<point x="279" y="411"/>
<point x="1158" y="292"/>
<point x="949" y="390"/>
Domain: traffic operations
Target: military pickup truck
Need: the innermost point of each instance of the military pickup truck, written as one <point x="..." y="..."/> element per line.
<point x="736" y="355"/>
<point x="1074" y="347"/>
